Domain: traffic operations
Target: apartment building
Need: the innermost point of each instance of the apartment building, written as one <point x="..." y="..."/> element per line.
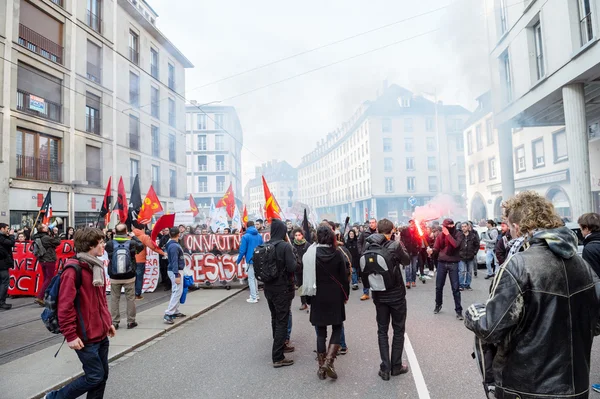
<point x="91" y="89"/>
<point x="282" y="179"/>
<point x="214" y="140"/>
<point x="396" y="152"/>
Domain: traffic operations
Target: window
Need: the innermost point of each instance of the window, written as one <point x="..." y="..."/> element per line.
<point x="172" y="150"/>
<point x="410" y="184"/>
<point x="585" y="21"/>
<point x="388" y="164"/>
<point x="431" y="144"/>
<point x="220" y="162"/>
<point x="94" y="62"/>
<point x="471" y="174"/>
<point x="431" y="164"/>
<point x="134" y="133"/>
<point x="405" y="102"/>
<point x="172" y="183"/>
<point x="38" y="93"/>
<point x="481" y="171"/>
<point x="40" y="33"/>
<point x="386" y="125"/>
<point x="389" y="184"/>
<point x="408" y="125"/>
<point x="478" y="138"/>
<point x="202" y="184"/>
<point x="537" y="147"/>
<point x="462" y="184"/>
<point x="559" y="142"/>
<point x="460" y="144"/>
<point x="433" y="184"/>
<point x="155" y="132"/>
<point x="201" y="143"/>
<point x="520" y="158"/>
<point x="409" y="145"/>
<point x="154" y="63"/>
<point x="201" y="119"/>
<point x="506" y="76"/>
<point x="492" y="168"/>
<point x="171" y="76"/>
<point x="410" y="164"/>
<point x="172" y="116"/>
<point x="134" y="89"/>
<point x="429" y="125"/>
<point x="219" y="142"/>
<point x="202" y="163"/>
<point x="156" y="178"/>
<point x="155" y="102"/>
<point x="93" y="161"/>
<point x="387" y="144"/>
<point x="92" y="113"/>
<point x="539" y="50"/>
<point x="489" y="132"/>
<point x="503" y="17"/>
<point x="134" y="170"/>
<point x="220" y="184"/>
<point x="38" y="156"/>
<point x="219" y="122"/>
<point x="469" y="142"/>
<point x="460" y="162"/>
<point x="134" y="49"/>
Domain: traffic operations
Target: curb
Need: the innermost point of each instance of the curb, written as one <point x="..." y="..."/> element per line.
<point x="42" y="394"/>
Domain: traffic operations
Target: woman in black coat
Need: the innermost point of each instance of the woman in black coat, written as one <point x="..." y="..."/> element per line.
<point x="328" y="305"/>
<point x="352" y="246"/>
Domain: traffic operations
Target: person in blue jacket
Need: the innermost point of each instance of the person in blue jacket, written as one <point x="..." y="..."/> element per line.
<point x="250" y="241"/>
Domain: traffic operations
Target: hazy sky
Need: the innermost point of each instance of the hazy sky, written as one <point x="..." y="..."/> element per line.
<point x="284" y="121"/>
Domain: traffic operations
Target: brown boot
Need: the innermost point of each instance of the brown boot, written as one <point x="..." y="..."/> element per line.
<point x="322" y="373"/>
<point x="332" y="351"/>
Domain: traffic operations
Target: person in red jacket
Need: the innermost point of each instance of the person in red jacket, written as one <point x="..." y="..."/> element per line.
<point x="86" y="328"/>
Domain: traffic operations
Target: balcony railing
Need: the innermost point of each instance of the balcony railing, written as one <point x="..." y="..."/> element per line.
<point x="134" y="141"/>
<point x="94" y="73"/>
<point x="93" y="21"/>
<point x="202" y="167"/>
<point x="154" y="71"/>
<point x="203" y="188"/>
<point x="39" y="44"/>
<point x="92" y="124"/>
<point x="220" y="166"/>
<point x="134" y="56"/>
<point x="94" y="176"/>
<point x="39" y="169"/>
<point x="38" y="106"/>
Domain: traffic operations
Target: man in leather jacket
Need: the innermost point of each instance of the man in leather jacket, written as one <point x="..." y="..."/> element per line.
<point x="543" y="308"/>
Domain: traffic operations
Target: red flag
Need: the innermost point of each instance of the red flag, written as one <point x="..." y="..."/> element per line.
<point x="105" y="211"/>
<point x="121" y="205"/>
<point x="164" y="222"/>
<point x="272" y="208"/>
<point x="150" y="206"/>
<point x="193" y="206"/>
<point x="245" y="217"/>
<point x="46" y="209"/>
<point x="228" y="201"/>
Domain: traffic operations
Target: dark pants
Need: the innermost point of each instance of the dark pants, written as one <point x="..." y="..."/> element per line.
<point x="48" y="271"/>
<point x="336" y="336"/>
<point x="164" y="277"/>
<point x="397" y="313"/>
<point x="298" y="277"/>
<point x="450" y="269"/>
<point x="279" y="305"/>
<point x="4" y="280"/>
<point x="140" y="269"/>
<point x="94" y="359"/>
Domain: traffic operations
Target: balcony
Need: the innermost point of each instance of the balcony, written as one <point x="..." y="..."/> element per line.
<point x="134" y="56"/>
<point x="38" y="106"/>
<point x="39" y="169"/>
<point x="40" y="45"/>
<point x="93" y="21"/>
<point x="94" y="176"/>
<point x="134" y="141"/>
<point x="203" y="188"/>
<point x="154" y="71"/>
<point x="92" y="124"/>
<point x="220" y="166"/>
<point x="94" y="73"/>
<point x="202" y="167"/>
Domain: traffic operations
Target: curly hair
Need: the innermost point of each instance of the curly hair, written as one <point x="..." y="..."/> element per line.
<point x="531" y="211"/>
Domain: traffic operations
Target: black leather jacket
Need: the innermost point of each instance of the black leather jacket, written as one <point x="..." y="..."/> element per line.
<point x="543" y="315"/>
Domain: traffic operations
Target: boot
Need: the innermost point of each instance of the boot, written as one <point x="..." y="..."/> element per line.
<point x="322" y="373"/>
<point x="332" y="351"/>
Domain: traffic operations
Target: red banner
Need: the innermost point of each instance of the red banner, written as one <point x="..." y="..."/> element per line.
<point x="26" y="277"/>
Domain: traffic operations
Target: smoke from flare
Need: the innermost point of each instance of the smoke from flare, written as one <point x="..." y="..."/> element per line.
<point x="442" y="205"/>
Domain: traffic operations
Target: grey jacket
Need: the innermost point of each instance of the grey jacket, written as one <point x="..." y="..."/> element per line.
<point x="489" y="238"/>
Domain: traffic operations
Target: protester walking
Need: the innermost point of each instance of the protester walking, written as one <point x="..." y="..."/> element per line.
<point x="502" y="244"/>
<point x="300" y="245"/>
<point x="140" y="260"/>
<point x="176" y="266"/>
<point x="250" y="241"/>
<point x="467" y="252"/>
<point x="362" y="238"/>
<point x="7" y="242"/>
<point x="44" y="248"/>
<point x="352" y="246"/>
<point x="411" y="243"/>
<point x="490" y="238"/>
<point x="163" y="262"/>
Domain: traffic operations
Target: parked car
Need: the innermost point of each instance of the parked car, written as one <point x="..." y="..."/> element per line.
<point x="482" y="231"/>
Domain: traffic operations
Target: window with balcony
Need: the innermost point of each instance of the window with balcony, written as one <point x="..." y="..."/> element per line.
<point x="173" y="183"/>
<point x="219" y="142"/>
<point x="38" y="93"/>
<point x="220" y="184"/>
<point x="155" y="102"/>
<point x="389" y="184"/>
<point x="489" y="131"/>
<point x="172" y="115"/>
<point x="134" y="133"/>
<point x="201" y="121"/>
<point x="134" y="47"/>
<point x="506" y="76"/>
<point x="388" y="165"/>
<point x="411" y="184"/>
<point x="134" y="170"/>
<point x="38" y="157"/>
<point x="92" y="113"/>
<point x="410" y="164"/>
<point x="156" y="178"/>
<point x="537" y="147"/>
<point x="409" y="145"/>
<point x="431" y="164"/>
<point x="93" y="19"/>
<point x="94" y="62"/>
<point x="471" y="174"/>
<point x="408" y="125"/>
<point x="492" y="167"/>
<point x="481" y="171"/>
<point x="134" y="89"/>
<point x="155" y="133"/>
<point x="433" y="184"/>
<point x="387" y="144"/>
<point x="154" y="63"/>
<point x="93" y="161"/>
<point x="171" y="76"/>
<point x="40" y="33"/>
<point x="539" y="50"/>
<point x="219" y="122"/>
<point x="520" y="159"/>
<point x="220" y="163"/>
<point x="386" y="125"/>
<point x="201" y="143"/>
<point x="202" y="184"/>
<point x="172" y="149"/>
<point x="202" y="163"/>
<point x="431" y="144"/>
<point x="586" y="28"/>
<point x="559" y="143"/>
<point x="469" y="142"/>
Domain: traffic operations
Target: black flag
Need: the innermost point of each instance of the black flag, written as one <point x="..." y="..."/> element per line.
<point x="306" y="228"/>
<point x="135" y="204"/>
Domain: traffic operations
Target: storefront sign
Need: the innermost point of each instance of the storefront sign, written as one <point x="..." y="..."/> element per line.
<point x="37" y="104"/>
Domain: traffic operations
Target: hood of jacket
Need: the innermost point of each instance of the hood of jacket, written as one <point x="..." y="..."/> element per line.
<point x="561" y="241"/>
<point x="326" y="253"/>
<point x="376" y="239"/>
<point x="252" y="231"/>
<point x="278" y="230"/>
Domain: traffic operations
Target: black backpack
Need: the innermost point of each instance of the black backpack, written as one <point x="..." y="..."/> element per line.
<point x="121" y="259"/>
<point x="378" y="263"/>
<point x="264" y="261"/>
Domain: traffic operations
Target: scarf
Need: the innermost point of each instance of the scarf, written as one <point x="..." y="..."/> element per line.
<point x="97" y="267"/>
<point x="309" y="272"/>
<point x="516" y="244"/>
<point x="299" y="242"/>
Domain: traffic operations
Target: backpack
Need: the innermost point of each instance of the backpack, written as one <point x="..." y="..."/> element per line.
<point x="50" y="313"/>
<point x="38" y="248"/>
<point x="264" y="261"/>
<point x="120" y="262"/>
<point x="378" y="263"/>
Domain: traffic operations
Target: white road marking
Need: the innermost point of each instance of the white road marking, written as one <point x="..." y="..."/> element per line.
<point x="416" y="369"/>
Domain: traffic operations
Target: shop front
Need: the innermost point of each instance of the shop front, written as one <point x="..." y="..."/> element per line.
<point x="87" y="210"/>
<point x="24" y="205"/>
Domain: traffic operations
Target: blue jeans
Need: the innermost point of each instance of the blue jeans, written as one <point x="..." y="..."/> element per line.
<point x="94" y="359"/>
<point x="252" y="283"/>
<point x="490" y="261"/>
<point x="465" y="271"/>
<point x="411" y="269"/>
<point x="447" y="269"/>
<point x="354" y="276"/>
<point x="289" y="327"/>
<point x="140" y="269"/>
<point x="342" y="338"/>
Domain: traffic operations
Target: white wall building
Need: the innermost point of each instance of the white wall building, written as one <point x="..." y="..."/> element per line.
<point x="393" y="148"/>
<point x="282" y="179"/>
<point x="89" y="90"/>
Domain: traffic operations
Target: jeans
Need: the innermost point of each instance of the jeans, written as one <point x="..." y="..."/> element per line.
<point x="336" y="333"/>
<point x="289" y="327"/>
<point x="490" y="261"/>
<point x="465" y="271"/>
<point x="342" y="337"/>
<point x="354" y="276"/>
<point x="450" y="269"/>
<point x="4" y="281"/>
<point x="140" y="270"/>
<point x="395" y="311"/>
<point x="411" y="269"/>
<point x="94" y="359"/>
<point x="48" y="271"/>
<point x="279" y="306"/>
<point x="176" y="291"/>
<point x="252" y="283"/>
<point x="115" y="298"/>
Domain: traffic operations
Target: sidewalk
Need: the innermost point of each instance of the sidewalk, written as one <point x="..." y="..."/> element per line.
<point x="33" y="375"/>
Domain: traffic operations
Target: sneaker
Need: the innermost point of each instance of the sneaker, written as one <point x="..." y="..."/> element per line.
<point x="423" y="279"/>
<point x="408" y="286"/>
<point x="469" y="289"/>
<point x="461" y="289"/>
<point x="403" y="370"/>
<point x="257" y="297"/>
<point x="283" y="363"/>
<point x="414" y="284"/>
<point x="385" y="375"/>
<point x="437" y="309"/>
<point x="459" y="316"/>
<point x="365" y="297"/>
<point x="355" y="287"/>
<point x="489" y="276"/>
<point x="475" y="273"/>
<point x="431" y="274"/>
<point x="596" y="387"/>
<point x="168" y="319"/>
<point x="250" y="300"/>
<point x="427" y="277"/>
<point x="116" y="325"/>
<point x="139" y="297"/>
<point x="343" y="351"/>
<point x="132" y="325"/>
<point x="6" y="306"/>
<point x="178" y="315"/>
<point x="303" y="307"/>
